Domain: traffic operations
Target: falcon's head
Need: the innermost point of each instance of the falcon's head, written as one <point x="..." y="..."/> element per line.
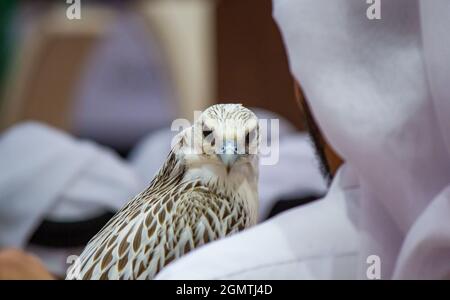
<point x="223" y="143"/>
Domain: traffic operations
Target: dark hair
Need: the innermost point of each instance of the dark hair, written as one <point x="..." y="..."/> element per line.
<point x="314" y="132"/>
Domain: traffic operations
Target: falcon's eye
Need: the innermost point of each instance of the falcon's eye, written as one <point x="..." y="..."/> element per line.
<point x="208" y="136"/>
<point x="250" y="136"/>
<point x="206" y="132"/>
<point x="250" y="139"/>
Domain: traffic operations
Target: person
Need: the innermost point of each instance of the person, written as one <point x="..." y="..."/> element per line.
<point x="378" y="91"/>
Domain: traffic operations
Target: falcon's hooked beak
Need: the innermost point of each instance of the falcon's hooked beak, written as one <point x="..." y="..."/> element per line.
<point x="229" y="155"/>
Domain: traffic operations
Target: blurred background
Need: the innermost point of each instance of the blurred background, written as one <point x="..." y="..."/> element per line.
<point x="109" y="85"/>
<point x="104" y="90"/>
<point x="130" y="67"/>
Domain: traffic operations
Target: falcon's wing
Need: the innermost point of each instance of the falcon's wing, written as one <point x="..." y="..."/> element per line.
<point x="148" y="234"/>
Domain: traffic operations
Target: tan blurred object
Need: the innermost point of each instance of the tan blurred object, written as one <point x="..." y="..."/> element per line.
<point x="48" y="65"/>
<point x="18" y="265"/>
<point x="186" y="31"/>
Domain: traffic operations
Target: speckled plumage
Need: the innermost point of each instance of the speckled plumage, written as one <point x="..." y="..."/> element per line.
<point x="193" y="200"/>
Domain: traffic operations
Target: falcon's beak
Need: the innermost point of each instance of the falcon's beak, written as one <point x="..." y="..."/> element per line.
<point x="229" y="155"/>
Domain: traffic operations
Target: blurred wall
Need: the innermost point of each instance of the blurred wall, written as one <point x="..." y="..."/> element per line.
<point x="51" y="56"/>
<point x="217" y="51"/>
<point x="252" y="66"/>
<point x="187" y="32"/>
<point x="46" y="66"/>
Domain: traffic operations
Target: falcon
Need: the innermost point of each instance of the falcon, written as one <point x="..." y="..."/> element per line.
<point x="205" y="190"/>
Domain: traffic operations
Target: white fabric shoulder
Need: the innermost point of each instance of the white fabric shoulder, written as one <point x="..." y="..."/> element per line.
<point x="316" y="241"/>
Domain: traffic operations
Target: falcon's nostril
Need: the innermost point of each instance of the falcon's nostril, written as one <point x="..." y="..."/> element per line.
<point x="229" y="148"/>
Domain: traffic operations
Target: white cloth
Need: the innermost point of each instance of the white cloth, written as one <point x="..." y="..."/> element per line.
<point x="47" y="174"/>
<point x="315" y="241"/>
<point x="379" y="91"/>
